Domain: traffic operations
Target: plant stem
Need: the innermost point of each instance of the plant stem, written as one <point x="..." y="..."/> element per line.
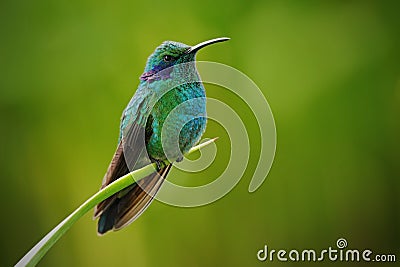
<point x="41" y="248"/>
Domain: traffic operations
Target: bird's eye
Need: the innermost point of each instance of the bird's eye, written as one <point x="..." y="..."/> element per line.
<point x="168" y="58"/>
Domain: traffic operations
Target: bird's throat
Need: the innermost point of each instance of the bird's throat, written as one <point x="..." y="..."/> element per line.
<point x="156" y="74"/>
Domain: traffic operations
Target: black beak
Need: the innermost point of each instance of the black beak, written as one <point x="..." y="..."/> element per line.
<point x="206" y="43"/>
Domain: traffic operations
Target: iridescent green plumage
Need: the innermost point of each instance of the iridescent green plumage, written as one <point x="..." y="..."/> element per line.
<point x="164" y="119"/>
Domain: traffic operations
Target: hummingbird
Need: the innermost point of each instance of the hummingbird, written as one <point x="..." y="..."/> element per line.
<point x="163" y="120"/>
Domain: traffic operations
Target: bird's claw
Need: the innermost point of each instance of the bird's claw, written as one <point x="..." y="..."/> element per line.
<point x="160" y="164"/>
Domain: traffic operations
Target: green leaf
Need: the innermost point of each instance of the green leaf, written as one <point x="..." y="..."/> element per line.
<point x="40" y="249"/>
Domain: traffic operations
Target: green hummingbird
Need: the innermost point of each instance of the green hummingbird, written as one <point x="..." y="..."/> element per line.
<point x="163" y="120"/>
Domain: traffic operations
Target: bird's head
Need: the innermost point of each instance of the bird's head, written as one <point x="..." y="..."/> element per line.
<point x="170" y="54"/>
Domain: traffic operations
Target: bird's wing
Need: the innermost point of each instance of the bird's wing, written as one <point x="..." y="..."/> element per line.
<point x="116" y="169"/>
<point x="125" y="206"/>
<point x="128" y="153"/>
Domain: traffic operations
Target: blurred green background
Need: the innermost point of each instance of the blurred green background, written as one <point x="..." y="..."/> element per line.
<point x="329" y="69"/>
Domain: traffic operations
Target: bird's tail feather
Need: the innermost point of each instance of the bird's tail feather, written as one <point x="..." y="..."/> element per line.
<point x="125" y="209"/>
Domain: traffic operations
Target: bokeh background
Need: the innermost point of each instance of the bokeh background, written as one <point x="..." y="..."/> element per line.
<point x="329" y="69"/>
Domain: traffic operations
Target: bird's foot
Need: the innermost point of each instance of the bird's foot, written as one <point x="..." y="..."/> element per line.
<point x="160" y="164"/>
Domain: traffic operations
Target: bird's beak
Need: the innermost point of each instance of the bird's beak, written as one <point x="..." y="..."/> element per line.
<point x="206" y="43"/>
